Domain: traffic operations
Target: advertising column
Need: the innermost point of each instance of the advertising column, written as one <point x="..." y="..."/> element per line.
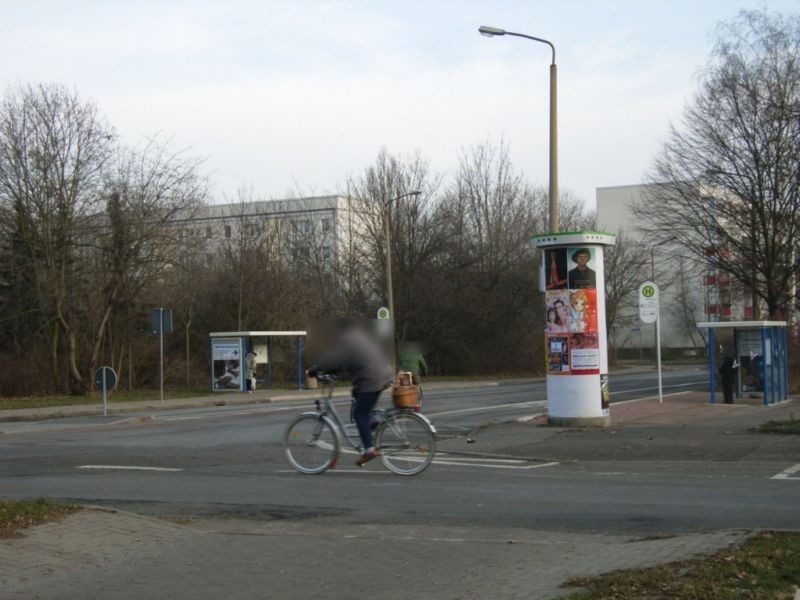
<point x="572" y="279"/>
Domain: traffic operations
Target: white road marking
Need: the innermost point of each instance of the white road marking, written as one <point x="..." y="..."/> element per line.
<point x="338" y="470"/>
<point x="787" y="473"/>
<point x="655" y="387"/>
<point x="447" y="456"/>
<point x="649" y="398"/>
<point x="437" y="461"/>
<point x="127" y="468"/>
<point x="488" y="408"/>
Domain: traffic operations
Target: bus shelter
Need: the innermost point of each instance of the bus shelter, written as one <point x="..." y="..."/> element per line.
<point x="761" y="350"/>
<point x="229" y="350"/>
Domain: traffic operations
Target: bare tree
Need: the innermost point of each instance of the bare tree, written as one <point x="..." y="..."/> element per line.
<point x="53" y="152"/>
<point x="416" y="232"/>
<point x="626" y="266"/>
<point x="728" y="186"/>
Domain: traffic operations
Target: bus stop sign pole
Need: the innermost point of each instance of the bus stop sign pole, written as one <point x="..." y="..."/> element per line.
<point x="649" y="312"/>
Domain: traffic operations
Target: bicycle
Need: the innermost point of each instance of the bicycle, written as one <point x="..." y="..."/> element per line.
<point x="405" y="439"/>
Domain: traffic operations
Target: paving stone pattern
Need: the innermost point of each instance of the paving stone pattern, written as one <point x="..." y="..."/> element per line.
<point x="114" y="555"/>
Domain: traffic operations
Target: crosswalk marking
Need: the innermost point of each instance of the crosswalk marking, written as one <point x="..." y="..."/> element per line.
<point x="788" y="473"/>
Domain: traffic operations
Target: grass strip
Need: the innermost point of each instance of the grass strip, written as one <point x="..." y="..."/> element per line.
<point x="788" y="426"/>
<point x="766" y="566"/>
<point x="16" y="515"/>
<point x="95" y="398"/>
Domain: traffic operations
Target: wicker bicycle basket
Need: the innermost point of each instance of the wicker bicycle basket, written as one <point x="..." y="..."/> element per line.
<point x="405" y="396"/>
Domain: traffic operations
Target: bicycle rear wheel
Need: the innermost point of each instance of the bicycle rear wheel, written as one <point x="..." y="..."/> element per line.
<point x="311" y="444"/>
<point x="406" y="443"/>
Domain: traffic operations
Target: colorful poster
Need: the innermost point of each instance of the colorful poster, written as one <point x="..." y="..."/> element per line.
<point x="555" y="268"/>
<point x="557" y="354"/>
<point x="557" y="311"/>
<point x="583" y="311"/>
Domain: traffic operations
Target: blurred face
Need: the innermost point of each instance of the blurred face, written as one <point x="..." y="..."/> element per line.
<point x="551" y="315"/>
<point x="582" y="259"/>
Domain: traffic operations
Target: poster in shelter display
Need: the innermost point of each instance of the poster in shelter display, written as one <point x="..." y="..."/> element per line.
<point x="226" y="357"/>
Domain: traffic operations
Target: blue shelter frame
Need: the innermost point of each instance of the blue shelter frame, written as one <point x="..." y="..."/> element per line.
<point x="774" y="353"/>
<point x="246" y="340"/>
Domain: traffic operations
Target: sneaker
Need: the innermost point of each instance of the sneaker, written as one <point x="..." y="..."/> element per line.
<point x="366" y="457"/>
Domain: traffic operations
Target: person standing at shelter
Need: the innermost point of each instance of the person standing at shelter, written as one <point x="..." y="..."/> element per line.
<point x="728" y="375"/>
<point x="250" y="361"/>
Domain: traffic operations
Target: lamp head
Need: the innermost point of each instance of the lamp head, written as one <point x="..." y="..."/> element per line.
<point x="487" y="31"/>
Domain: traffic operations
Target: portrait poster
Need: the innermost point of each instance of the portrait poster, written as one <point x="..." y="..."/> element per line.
<point x="581" y="263"/>
<point x="557" y="311"/>
<point x="555" y="268"/>
<point x="583" y="311"/>
<point x="557" y="354"/>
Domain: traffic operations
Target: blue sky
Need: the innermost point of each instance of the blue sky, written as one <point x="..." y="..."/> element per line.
<point x="295" y="96"/>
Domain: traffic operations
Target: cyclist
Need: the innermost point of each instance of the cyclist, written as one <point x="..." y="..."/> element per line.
<point x="355" y="351"/>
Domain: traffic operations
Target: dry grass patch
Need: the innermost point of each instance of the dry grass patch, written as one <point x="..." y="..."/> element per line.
<point x="16" y="515"/>
<point x="765" y="567"/>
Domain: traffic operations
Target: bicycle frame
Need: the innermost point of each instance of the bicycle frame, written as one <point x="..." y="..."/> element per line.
<point x="330" y="413"/>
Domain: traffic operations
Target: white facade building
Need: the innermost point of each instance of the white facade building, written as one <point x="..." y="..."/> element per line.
<point x="684" y="293"/>
<point x="318" y="228"/>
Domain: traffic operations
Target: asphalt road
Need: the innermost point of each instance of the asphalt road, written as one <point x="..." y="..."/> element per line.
<point x="227" y="461"/>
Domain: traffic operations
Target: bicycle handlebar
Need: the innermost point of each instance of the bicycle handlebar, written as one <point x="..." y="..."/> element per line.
<point x="326" y="377"/>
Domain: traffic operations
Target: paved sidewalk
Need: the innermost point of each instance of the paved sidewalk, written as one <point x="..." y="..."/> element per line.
<point x="116" y="555"/>
<point x="683" y="428"/>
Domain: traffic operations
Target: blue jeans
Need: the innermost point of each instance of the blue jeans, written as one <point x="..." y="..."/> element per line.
<point x="362" y="410"/>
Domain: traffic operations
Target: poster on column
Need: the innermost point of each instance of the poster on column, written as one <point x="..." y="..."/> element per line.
<point x="555" y="268"/>
<point x="558" y="354"/>
<point x="584" y="342"/>
<point x="583" y="311"/>
<point x="557" y="309"/>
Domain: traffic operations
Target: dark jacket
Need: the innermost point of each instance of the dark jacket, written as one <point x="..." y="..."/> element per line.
<point x="357" y="353"/>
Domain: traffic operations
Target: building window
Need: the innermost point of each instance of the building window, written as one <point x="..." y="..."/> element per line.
<point x="209" y="233"/>
<point x="326" y="254"/>
<point x="227" y="232"/>
<point x="209" y="259"/>
<point x="252" y="230"/>
<point x="326" y="225"/>
<point x="303" y="226"/>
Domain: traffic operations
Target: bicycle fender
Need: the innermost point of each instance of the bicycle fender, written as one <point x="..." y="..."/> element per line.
<point x="428" y="421"/>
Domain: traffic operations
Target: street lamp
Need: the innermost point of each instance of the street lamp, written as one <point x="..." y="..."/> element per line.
<point x="487" y="31"/>
<point x="389" y="289"/>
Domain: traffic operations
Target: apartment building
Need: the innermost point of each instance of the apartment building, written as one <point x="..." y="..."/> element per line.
<point x="319" y="228"/>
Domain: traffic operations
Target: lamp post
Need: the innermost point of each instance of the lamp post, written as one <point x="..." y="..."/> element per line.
<point x="389" y="288"/>
<point x="487" y="31"/>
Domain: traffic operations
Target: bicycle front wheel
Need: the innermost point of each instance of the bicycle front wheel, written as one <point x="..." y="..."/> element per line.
<point x="311" y="444"/>
<point x="407" y="444"/>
